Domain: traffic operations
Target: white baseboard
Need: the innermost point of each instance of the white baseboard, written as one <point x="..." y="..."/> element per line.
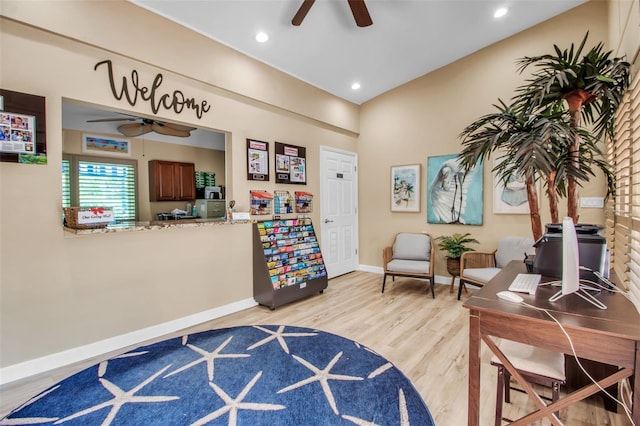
<point x="50" y="362"/>
<point x="438" y="279"/>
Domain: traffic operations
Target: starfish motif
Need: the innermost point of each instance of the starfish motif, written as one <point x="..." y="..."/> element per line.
<point x="120" y="398"/>
<point x="279" y="335"/>
<point x="378" y="371"/>
<point x="323" y="376"/>
<point x="31" y="420"/>
<point x="102" y="367"/>
<point x="207" y="357"/>
<point x="233" y="405"/>
<point x="402" y="407"/>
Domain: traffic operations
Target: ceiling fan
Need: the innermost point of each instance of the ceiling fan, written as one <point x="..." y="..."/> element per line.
<point x="147" y="125"/>
<point x="358" y="9"/>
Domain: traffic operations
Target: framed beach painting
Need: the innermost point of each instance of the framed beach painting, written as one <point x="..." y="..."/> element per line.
<point x="405" y="188"/>
<point x="103" y="145"/>
<point x="453" y="197"/>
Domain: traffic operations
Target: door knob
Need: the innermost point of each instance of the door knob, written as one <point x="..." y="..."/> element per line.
<point x="328" y="221"/>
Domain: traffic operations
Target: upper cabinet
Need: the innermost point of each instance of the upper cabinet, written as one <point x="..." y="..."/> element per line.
<point x="171" y="181"/>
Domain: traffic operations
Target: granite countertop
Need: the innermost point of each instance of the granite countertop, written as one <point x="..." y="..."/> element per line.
<point x="154" y="225"/>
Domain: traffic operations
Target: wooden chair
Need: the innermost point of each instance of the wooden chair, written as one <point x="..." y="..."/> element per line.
<point x="478" y="268"/>
<point x="536" y="365"/>
<point x="411" y="255"/>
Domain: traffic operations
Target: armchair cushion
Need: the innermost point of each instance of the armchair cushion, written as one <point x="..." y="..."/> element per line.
<point x="513" y="248"/>
<point x="412" y="247"/>
<point x="483" y="275"/>
<point x="408" y="266"/>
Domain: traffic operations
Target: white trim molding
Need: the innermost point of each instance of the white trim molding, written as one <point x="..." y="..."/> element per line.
<point x="60" y="359"/>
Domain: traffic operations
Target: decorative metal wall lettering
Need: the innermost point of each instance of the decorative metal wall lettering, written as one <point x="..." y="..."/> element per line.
<point x="132" y="88"/>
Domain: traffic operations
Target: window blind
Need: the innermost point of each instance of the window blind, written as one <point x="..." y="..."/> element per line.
<point x="623" y="212"/>
<point x="66" y="184"/>
<point x="90" y="182"/>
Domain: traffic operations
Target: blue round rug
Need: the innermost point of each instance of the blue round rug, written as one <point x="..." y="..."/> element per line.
<point x="250" y="375"/>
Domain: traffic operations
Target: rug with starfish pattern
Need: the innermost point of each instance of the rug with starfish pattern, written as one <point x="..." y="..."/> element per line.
<point x="250" y="375"/>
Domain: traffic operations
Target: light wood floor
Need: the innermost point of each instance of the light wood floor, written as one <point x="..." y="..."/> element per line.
<point x="425" y="338"/>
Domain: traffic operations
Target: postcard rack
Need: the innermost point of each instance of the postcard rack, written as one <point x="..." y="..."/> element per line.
<point x="287" y="262"/>
<point x="304" y="202"/>
<point x="261" y="202"/>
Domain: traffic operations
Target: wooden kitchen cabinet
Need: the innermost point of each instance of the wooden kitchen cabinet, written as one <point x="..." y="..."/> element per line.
<point x="171" y="181"/>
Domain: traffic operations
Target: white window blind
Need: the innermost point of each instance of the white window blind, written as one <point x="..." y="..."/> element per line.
<point x="623" y="220"/>
<point x="101" y="182"/>
<point x="66" y="184"/>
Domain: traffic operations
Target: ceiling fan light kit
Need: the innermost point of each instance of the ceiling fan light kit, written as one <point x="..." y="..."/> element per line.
<point x="358" y="9"/>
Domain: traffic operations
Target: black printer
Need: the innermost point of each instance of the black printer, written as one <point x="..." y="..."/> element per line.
<point x="593" y="252"/>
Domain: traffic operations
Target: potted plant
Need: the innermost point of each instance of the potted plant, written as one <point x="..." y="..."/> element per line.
<point x="454" y="245"/>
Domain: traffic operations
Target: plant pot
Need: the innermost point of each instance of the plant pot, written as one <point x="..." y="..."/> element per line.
<point x="453" y="267"/>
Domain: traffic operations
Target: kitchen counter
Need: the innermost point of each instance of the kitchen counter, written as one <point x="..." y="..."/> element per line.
<point x="154" y="225"/>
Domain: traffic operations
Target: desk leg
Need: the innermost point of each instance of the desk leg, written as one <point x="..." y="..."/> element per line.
<point x="473" y="409"/>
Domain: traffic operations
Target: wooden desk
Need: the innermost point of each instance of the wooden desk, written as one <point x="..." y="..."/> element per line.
<point x="610" y="336"/>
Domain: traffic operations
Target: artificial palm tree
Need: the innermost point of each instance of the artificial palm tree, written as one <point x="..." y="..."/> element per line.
<point x="592" y="87"/>
<point x="528" y="145"/>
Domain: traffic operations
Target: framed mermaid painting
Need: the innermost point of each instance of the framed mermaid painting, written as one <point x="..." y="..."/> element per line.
<point x="453" y="197"/>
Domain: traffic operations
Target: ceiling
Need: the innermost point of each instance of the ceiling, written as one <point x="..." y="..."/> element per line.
<point x="408" y="38"/>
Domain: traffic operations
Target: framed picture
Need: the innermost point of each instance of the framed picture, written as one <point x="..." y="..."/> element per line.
<point x="405" y="188"/>
<point x="291" y="164"/>
<point x="257" y="160"/>
<point x="453" y="197"/>
<point x="512" y="197"/>
<point x="103" y="145"/>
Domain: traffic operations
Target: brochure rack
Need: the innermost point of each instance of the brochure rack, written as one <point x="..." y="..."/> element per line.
<point x="287" y="262"/>
<point x="282" y="202"/>
<point x="304" y="202"/>
<point x="261" y="202"/>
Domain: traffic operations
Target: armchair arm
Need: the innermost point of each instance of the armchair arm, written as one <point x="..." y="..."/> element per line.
<point x="387" y="255"/>
<point x="477" y="259"/>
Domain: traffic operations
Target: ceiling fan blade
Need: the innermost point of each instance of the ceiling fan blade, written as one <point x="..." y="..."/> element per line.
<point x="179" y="127"/>
<point x="134" y="129"/>
<point x="302" y="12"/>
<point x="360" y="13"/>
<point x="162" y="129"/>
<point x="105" y="120"/>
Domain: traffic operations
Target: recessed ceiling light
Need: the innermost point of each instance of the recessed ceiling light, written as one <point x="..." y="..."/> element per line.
<point x="262" y="37"/>
<point x="500" y="12"/>
<point x="355" y="86"/>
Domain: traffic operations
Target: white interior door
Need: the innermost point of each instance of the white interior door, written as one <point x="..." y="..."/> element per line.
<point x="339" y="211"/>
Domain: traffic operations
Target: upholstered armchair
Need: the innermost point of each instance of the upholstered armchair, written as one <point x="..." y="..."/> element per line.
<point x="411" y="255"/>
<point x="478" y="267"/>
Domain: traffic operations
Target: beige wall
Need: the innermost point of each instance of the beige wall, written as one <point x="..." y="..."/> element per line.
<point x="143" y="151"/>
<point x="424" y="118"/>
<point x="60" y="291"/>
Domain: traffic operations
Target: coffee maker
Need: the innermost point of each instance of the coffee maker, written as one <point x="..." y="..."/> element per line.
<point x="213" y="193"/>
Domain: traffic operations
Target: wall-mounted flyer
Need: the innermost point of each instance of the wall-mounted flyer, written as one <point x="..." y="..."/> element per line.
<point x="257" y="160"/>
<point x="17" y="133"/>
<point x="291" y="164"/>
